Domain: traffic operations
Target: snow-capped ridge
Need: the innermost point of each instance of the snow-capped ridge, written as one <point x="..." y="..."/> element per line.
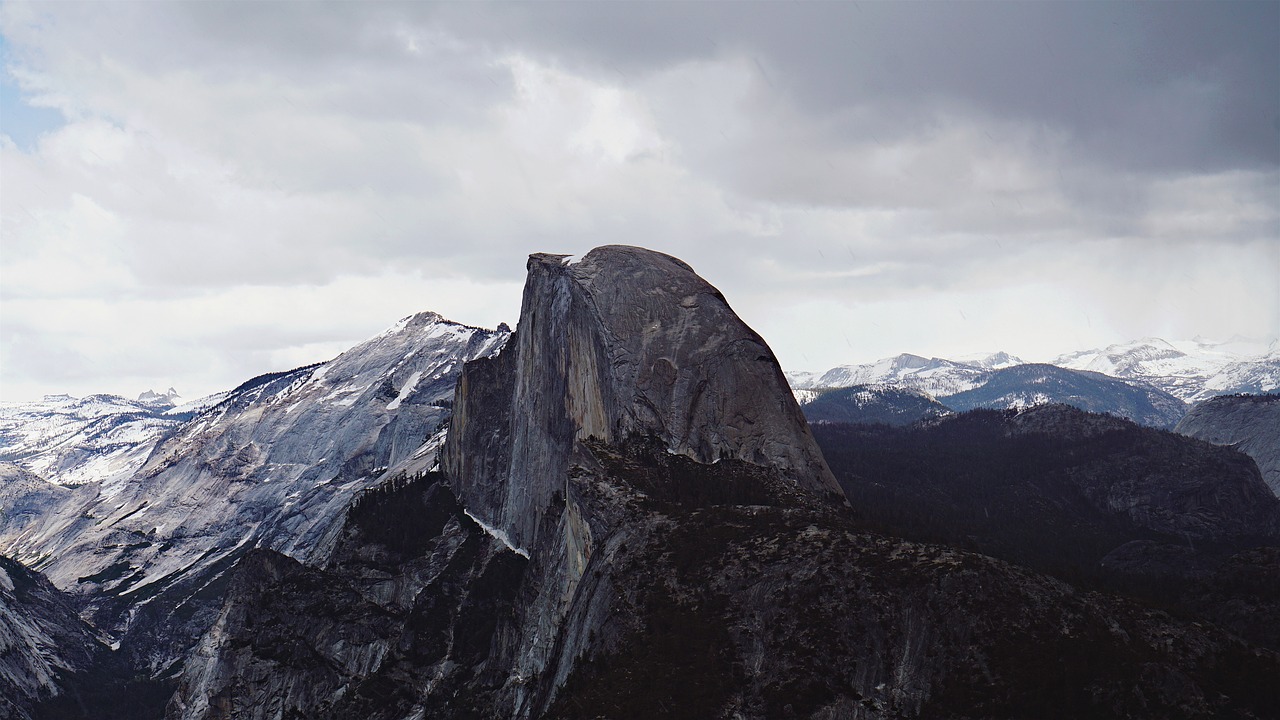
<point x="1191" y="370"/>
<point x="271" y="462"/>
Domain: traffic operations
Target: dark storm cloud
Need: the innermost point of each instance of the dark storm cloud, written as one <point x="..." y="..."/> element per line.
<point x="1146" y="86"/>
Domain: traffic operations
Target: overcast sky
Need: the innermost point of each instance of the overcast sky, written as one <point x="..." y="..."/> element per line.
<point x="193" y="193"/>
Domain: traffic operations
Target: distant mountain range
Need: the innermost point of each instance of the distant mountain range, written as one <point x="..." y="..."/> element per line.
<point x="1149" y="381"/>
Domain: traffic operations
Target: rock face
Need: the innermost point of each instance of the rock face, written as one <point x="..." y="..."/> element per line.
<point x="1250" y="423"/>
<point x="626" y="342"/>
<point x="42" y="641"/>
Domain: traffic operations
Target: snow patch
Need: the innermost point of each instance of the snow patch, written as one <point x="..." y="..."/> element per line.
<point x="500" y="535"/>
<point x="405" y="389"/>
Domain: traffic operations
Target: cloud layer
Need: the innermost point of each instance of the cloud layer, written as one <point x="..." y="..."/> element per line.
<point x="235" y="188"/>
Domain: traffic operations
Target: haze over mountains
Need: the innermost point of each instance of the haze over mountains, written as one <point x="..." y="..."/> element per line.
<point x="619" y="510"/>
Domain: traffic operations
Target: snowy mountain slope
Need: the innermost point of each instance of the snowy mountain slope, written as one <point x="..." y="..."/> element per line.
<point x="1193" y="370"/>
<point x="168" y="398"/>
<point x="73" y="441"/>
<point x="1251" y="376"/>
<point x="990" y="361"/>
<point x="934" y="376"/>
<point x="274" y="464"/>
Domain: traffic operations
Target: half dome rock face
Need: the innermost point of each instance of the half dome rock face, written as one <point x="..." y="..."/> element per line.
<point x="627" y="343"/>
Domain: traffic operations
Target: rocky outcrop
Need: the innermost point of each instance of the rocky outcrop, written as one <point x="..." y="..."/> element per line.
<point x="625" y="342"/>
<point x="1249" y="423"/>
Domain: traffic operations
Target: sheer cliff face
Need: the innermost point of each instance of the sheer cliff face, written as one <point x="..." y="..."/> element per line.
<point x="627" y="342"/>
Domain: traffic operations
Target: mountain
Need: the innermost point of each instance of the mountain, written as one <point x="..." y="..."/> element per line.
<point x="274" y="463"/>
<point x="995" y="380"/>
<point x="1009" y="387"/>
<point x="991" y="361"/>
<point x="1024" y="386"/>
<point x="637" y="344"/>
<point x="1249" y="423"/>
<point x="870" y="404"/>
<point x="632" y="520"/>
<point x="619" y="511"/>
<point x="1191" y="370"/>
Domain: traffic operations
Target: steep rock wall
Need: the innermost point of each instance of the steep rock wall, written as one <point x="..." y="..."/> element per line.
<point x="625" y="342"/>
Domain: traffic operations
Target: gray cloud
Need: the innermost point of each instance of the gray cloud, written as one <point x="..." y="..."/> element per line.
<point x="1157" y="86"/>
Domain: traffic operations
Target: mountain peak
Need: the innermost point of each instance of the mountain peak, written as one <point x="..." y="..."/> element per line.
<point x="168" y="397"/>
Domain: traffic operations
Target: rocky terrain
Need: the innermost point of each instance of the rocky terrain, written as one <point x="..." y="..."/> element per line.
<point x="74" y="441"/>
<point x="1249" y="423"/>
